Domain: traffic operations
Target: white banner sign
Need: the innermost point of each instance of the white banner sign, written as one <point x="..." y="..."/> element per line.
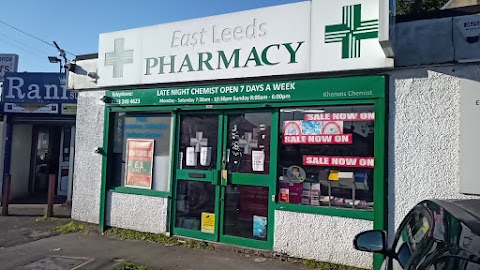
<point x="310" y="36"/>
<point x="260" y="42"/>
<point x="8" y="63"/>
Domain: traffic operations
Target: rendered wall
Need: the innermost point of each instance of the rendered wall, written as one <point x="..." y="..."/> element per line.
<point x="424" y="136"/>
<point x="88" y="165"/>
<point x="321" y="238"/>
<point x="136" y="212"/>
<point x="20" y="159"/>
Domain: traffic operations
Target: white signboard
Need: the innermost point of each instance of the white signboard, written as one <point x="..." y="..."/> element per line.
<point x="8" y="63"/>
<point x="469" y="141"/>
<point x="260" y="42"/>
<point x="345" y="36"/>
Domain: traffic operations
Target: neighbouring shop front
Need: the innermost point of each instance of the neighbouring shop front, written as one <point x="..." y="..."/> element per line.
<point x="40" y="135"/>
<point x="230" y="155"/>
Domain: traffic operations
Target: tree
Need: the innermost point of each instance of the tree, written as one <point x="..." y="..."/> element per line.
<point x="406" y="7"/>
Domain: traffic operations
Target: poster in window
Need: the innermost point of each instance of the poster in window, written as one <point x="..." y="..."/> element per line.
<point x="139" y="163"/>
<point x="260" y="226"/>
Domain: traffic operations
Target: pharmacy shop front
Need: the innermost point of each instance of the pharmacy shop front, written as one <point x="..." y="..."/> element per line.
<point x="252" y="164"/>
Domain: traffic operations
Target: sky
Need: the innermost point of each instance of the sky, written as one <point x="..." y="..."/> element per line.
<point x="75" y="25"/>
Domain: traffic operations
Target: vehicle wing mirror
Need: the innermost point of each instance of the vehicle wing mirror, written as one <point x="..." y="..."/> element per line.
<point x="371" y="241"/>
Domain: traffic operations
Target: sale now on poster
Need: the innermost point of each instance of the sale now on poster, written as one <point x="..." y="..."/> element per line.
<point x="363" y="116"/>
<point x="318" y="139"/>
<point x="333" y="161"/>
<point x="139" y="163"/>
<point x="315" y="132"/>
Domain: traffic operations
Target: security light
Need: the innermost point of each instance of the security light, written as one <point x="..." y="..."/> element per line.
<point x="106" y="99"/>
<point x="54" y="59"/>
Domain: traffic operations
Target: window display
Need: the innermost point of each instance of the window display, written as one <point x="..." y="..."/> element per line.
<point x="130" y="132"/>
<point x="198" y="142"/>
<point x="326" y="156"/>
<point x="248" y="143"/>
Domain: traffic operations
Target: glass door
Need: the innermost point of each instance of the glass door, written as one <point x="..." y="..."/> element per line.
<point x="249" y="187"/>
<point x="64" y="161"/>
<point x="197" y="190"/>
<point x="224" y="182"/>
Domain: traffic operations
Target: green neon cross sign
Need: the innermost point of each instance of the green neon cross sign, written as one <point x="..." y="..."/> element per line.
<point x="351" y="31"/>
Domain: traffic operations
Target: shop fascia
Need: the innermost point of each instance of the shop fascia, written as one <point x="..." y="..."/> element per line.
<point x="254" y="43"/>
<point x="223" y="60"/>
<point x="16" y="89"/>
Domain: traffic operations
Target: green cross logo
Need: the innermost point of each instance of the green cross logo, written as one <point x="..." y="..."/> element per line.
<point x="351" y="31"/>
<point x="118" y="57"/>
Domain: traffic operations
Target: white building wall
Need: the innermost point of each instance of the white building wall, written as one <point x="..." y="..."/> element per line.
<point x="321" y="238"/>
<point x="424" y="136"/>
<point x="88" y="165"/>
<point x="136" y="212"/>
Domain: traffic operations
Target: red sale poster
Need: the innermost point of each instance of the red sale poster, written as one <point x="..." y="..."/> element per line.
<point x="318" y="139"/>
<point x="334" y="161"/>
<point x="139" y="163"/>
<point x="352" y="116"/>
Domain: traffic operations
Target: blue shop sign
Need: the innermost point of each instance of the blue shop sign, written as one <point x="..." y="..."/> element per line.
<point x="38" y="93"/>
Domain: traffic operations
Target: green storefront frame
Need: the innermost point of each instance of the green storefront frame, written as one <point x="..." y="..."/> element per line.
<point x="361" y="90"/>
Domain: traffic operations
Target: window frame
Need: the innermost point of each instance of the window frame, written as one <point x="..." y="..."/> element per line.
<point x="379" y="179"/>
<point x="111" y="111"/>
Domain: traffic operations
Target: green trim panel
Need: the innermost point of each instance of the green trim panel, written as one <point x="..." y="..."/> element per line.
<point x="327" y="211"/>
<point x="105" y="157"/>
<point x="361" y="87"/>
<point x="140" y="191"/>
<point x="262" y="180"/>
<point x="246" y="242"/>
<point x="194" y="234"/>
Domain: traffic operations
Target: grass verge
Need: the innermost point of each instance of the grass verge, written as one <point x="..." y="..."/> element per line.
<point x="131" y="266"/>
<point x="155" y="238"/>
<point x="70" y="227"/>
<point x="45" y="218"/>
<point x="328" y="266"/>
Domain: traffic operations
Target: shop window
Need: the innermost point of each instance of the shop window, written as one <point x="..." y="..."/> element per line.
<point x="141" y="152"/>
<point x="326" y="156"/>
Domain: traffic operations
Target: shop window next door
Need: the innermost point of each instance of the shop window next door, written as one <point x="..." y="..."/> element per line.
<point x="225" y="178"/>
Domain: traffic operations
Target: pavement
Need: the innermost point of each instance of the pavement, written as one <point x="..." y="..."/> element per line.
<point x="26" y="224"/>
<point x="28" y="242"/>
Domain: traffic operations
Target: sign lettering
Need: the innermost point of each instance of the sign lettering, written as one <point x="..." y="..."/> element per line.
<point x="334" y="161"/>
<point x="301" y="90"/>
<point x="318" y="139"/>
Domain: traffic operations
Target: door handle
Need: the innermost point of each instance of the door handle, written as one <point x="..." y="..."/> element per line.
<point x="223" y="177"/>
<point x="220" y="178"/>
